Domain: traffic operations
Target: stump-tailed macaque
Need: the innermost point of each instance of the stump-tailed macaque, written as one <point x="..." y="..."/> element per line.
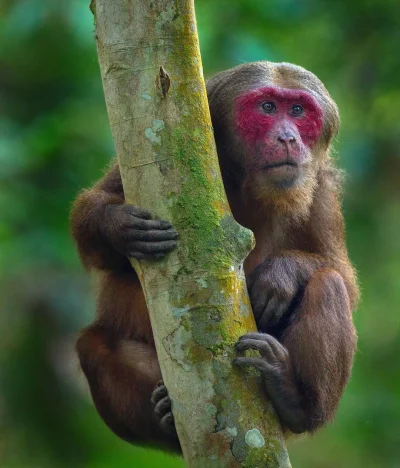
<point x="273" y="125"/>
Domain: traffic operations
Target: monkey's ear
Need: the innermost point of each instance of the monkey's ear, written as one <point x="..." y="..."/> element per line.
<point x="331" y="119"/>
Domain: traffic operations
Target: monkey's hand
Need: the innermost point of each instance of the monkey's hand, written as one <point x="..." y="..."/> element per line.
<point x="275" y="285"/>
<point x="276" y="368"/>
<point x="162" y="409"/>
<point x="132" y="232"/>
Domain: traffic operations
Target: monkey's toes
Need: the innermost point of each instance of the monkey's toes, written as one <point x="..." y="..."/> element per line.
<point x="163" y="407"/>
<point x="167" y="424"/>
<point x="159" y="393"/>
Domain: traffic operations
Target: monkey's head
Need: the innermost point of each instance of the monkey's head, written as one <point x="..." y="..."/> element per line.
<point x="273" y="126"/>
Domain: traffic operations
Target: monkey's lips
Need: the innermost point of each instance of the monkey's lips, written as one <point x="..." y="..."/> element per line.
<point x="281" y="166"/>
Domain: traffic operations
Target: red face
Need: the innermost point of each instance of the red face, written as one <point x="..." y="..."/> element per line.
<point x="279" y="126"/>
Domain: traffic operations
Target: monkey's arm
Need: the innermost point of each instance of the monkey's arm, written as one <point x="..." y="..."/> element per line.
<point x="87" y="216"/>
<point x="122" y="376"/>
<point x="306" y="372"/>
<point x="107" y="231"/>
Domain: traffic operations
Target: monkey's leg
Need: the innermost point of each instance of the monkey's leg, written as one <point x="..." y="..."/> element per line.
<point x="122" y="375"/>
<point x="305" y="375"/>
<point x="321" y="342"/>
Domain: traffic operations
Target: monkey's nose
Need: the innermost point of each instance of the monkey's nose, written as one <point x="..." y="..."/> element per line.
<point x="286" y="138"/>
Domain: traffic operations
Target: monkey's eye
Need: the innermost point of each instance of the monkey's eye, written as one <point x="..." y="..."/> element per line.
<point x="268" y="107"/>
<point x="296" y="110"/>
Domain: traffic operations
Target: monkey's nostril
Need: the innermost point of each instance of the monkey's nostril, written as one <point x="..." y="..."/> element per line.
<point x="287" y="138"/>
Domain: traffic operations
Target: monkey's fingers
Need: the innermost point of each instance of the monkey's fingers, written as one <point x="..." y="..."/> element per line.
<point x="276" y="308"/>
<point x="146" y="224"/>
<point x="139" y="218"/>
<point x="151" y="235"/>
<point x="259" y="363"/>
<point x="262" y="346"/>
<point x="143" y="256"/>
<point x="137" y="211"/>
<point x="254" y="336"/>
<point x="153" y="247"/>
<point x="278" y="351"/>
<point x="258" y="298"/>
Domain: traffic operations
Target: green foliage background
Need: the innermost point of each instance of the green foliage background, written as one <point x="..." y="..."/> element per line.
<point x="55" y="140"/>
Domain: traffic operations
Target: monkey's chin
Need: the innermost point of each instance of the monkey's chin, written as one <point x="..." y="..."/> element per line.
<point x="288" y="192"/>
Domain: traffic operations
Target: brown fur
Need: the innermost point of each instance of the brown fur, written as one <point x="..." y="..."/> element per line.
<point x="299" y="233"/>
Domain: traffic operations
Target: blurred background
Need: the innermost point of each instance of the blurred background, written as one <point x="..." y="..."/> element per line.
<point x="55" y="140"/>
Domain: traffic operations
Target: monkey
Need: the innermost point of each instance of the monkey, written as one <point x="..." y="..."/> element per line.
<point x="273" y="124"/>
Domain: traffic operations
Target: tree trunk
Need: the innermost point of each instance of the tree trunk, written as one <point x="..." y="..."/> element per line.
<point x="157" y="106"/>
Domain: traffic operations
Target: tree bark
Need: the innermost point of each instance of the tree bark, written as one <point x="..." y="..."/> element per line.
<point x="157" y="105"/>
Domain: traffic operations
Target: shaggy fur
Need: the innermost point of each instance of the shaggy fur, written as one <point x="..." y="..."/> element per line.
<point x="301" y="282"/>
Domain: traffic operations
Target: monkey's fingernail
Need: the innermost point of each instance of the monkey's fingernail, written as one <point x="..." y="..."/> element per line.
<point x="144" y="214"/>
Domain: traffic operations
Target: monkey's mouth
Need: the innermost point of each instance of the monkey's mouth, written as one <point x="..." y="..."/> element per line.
<point x="282" y="164"/>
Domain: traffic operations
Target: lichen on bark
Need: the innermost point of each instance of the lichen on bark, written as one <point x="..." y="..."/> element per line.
<point x="157" y="104"/>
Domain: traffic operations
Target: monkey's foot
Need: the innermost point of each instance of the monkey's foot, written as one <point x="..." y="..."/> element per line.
<point x="162" y="409"/>
<point x="276" y="368"/>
